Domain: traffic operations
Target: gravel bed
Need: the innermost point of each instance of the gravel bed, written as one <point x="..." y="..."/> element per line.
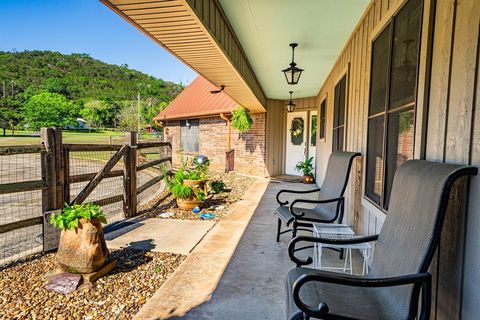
<point x="119" y="295"/>
<point x="219" y="204"/>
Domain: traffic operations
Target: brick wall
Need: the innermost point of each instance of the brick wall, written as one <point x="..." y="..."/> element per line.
<point x="249" y="147"/>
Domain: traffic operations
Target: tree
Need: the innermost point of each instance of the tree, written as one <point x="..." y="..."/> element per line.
<point x="49" y="110"/>
<point x="129" y="118"/>
<point x="99" y="113"/>
<point x="10" y="115"/>
<point x="148" y="112"/>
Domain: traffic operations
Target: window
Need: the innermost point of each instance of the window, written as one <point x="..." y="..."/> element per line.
<point x="323" y="111"/>
<point x="391" y="114"/>
<point x="189" y="135"/>
<point x="339" y="107"/>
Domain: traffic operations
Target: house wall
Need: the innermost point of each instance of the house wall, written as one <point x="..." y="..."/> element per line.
<point x="447" y="130"/>
<point x="249" y="147"/>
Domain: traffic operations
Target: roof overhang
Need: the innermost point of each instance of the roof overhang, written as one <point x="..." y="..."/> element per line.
<point x="202" y="38"/>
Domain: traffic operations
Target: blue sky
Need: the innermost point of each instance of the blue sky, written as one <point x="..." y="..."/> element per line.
<point x="85" y="26"/>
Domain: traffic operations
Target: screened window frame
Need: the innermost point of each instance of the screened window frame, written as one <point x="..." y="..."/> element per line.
<point x="335" y="115"/>
<point x="181" y="139"/>
<point x="408" y="106"/>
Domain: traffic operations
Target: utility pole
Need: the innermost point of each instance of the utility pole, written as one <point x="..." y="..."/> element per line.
<point x="138" y="113"/>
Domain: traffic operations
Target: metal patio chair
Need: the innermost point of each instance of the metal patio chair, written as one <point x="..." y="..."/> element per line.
<point x="330" y="203"/>
<point x="404" y="250"/>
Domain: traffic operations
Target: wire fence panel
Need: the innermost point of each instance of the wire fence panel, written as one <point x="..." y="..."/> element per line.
<point x="20" y="206"/>
<point x="151" y="175"/>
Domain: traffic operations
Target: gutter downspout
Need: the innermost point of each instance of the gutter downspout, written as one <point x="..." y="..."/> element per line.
<point x="229" y="129"/>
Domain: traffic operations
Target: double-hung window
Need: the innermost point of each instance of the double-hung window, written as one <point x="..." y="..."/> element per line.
<point x="323" y="117"/>
<point x="392" y="105"/>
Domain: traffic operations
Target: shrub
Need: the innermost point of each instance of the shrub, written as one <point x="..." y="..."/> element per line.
<point x="68" y="218"/>
<point x="241" y="119"/>
<point x="216" y="186"/>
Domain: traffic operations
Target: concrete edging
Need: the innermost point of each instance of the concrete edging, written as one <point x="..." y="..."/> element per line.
<point x="198" y="276"/>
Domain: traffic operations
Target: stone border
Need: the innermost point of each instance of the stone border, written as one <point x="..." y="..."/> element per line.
<point x="198" y="276"/>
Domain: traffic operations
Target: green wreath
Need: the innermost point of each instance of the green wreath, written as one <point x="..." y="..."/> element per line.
<point x="297" y="127"/>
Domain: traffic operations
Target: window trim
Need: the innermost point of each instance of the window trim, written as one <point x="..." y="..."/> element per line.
<point x="324" y="102"/>
<point x="411" y="105"/>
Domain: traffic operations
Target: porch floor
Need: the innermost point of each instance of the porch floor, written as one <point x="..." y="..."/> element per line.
<point x="252" y="286"/>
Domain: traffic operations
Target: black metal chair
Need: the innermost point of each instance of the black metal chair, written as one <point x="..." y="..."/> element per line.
<point x="330" y="203"/>
<point x="404" y="250"/>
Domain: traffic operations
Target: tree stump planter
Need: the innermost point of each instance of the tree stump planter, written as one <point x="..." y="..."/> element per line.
<point x="83" y="249"/>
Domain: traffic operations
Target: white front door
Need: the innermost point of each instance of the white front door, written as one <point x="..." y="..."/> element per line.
<point x="312" y="137"/>
<point x="296" y="140"/>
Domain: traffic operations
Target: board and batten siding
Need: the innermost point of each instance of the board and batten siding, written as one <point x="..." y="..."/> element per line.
<point x="447" y="129"/>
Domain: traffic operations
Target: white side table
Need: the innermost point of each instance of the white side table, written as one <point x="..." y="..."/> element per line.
<point x="338" y="231"/>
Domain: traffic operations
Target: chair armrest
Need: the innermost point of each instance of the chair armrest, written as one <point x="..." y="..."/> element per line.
<point x="299" y="262"/>
<point x="283" y="203"/>
<point x="340" y="200"/>
<point x="420" y="280"/>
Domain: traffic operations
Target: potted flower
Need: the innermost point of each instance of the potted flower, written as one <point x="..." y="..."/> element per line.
<point x="196" y="175"/>
<point x="82" y="247"/>
<point x="306" y="168"/>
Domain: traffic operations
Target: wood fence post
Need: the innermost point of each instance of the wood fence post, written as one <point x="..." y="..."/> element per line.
<point x="52" y="169"/>
<point x="130" y="174"/>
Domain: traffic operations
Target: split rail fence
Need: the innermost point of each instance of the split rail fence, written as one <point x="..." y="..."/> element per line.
<point x="38" y="179"/>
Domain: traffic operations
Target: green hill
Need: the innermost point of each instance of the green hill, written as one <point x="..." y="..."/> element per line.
<point x="78" y="77"/>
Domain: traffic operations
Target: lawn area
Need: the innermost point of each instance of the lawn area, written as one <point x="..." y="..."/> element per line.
<point x="98" y="137"/>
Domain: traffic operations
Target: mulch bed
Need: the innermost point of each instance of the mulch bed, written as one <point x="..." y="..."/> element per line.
<point x="219" y="204"/>
<point x="119" y="295"/>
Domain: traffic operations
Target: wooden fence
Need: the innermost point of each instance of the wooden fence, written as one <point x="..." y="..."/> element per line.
<point x="57" y="178"/>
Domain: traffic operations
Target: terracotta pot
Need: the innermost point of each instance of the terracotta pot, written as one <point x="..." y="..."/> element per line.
<point x="194" y="183"/>
<point x="188" y="204"/>
<point x="83" y="249"/>
<point x="308" y="179"/>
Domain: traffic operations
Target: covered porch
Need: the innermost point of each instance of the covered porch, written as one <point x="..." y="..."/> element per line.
<point x="392" y="79"/>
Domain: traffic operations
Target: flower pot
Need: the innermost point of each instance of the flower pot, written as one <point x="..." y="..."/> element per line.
<point x="188" y="204"/>
<point x="308" y="179"/>
<point x="83" y="249"/>
<point x="194" y="183"/>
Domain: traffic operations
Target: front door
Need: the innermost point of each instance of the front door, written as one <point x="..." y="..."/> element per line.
<point x="296" y="148"/>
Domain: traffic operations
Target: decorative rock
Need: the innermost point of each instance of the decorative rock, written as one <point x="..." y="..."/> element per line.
<point x="83" y="249"/>
<point x="64" y="283"/>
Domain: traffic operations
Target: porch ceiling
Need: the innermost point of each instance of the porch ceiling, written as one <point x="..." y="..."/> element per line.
<point x="266" y="27"/>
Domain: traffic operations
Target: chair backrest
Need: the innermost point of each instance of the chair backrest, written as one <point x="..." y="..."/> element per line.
<point x="410" y="234"/>
<point x="335" y="182"/>
<point x="338" y="172"/>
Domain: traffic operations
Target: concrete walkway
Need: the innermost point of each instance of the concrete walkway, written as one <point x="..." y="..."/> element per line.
<point x="252" y="286"/>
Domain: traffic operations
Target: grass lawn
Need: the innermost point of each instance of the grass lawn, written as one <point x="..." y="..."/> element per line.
<point x="99" y="137"/>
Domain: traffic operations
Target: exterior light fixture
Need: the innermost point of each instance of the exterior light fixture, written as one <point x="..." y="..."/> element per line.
<point x="290" y="106"/>
<point x="292" y="74"/>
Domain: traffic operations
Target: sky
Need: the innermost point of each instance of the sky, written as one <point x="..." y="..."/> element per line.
<point x="85" y="26"/>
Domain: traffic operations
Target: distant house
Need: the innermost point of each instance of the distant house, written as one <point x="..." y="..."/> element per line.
<point x="196" y="122"/>
<point x="81" y="124"/>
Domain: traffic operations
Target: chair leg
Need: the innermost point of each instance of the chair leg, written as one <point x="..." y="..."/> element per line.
<point x="279" y="226"/>
<point x="294" y="229"/>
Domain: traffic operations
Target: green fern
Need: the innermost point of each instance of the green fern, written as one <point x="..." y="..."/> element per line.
<point x="241" y="119"/>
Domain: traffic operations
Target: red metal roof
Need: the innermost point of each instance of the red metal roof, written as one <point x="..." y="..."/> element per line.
<point x="197" y="101"/>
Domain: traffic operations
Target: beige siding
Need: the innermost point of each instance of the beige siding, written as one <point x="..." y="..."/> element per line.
<point x="447" y="129"/>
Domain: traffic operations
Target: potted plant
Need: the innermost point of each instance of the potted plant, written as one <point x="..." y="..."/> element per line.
<point x="306" y="168"/>
<point x="82" y="247"/>
<point x="196" y="175"/>
<point x="187" y="196"/>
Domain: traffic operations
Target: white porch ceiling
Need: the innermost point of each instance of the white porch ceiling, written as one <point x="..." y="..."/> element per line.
<point x="266" y="27"/>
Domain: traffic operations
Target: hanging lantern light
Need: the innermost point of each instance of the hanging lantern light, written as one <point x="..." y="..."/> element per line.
<point x="290" y="106"/>
<point x="292" y="74"/>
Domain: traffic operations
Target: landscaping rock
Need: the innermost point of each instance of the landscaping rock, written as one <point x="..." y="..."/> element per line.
<point x="63" y="283"/>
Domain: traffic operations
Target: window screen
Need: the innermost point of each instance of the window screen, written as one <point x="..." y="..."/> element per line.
<point x="189" y="140"/>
